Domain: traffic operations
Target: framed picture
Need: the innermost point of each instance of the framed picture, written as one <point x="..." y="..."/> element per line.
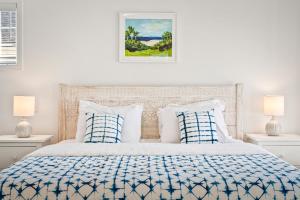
<point x="147" y="37"/>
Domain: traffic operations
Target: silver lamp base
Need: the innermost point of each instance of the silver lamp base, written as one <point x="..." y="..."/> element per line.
<point x="273" y="128"/>
<point x="23" y="129"/>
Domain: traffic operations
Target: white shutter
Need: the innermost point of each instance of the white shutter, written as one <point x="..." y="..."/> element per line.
<point x="8" y="6"/>
<point x="8" y="34"/>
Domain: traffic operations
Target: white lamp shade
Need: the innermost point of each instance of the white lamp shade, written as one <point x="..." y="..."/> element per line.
<point x="274" y="105"/>
<point x="24" y="106"/>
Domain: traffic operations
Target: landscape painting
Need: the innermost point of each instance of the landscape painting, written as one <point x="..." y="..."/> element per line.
<point x="147" y="37"/>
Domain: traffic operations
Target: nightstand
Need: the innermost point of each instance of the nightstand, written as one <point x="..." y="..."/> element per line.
<point x="13" y="148"/>
<point x="285" y="146"/>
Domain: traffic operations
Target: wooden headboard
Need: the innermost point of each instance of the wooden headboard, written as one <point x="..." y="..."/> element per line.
<point x="153" y="97"/>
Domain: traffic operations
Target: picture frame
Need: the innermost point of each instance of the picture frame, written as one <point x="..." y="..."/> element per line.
<point x="147" y="37"/>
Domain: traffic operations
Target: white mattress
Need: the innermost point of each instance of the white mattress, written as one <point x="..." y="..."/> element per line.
<point x="71" y="148"/>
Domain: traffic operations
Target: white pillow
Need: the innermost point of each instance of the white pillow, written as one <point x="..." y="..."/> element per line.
<point x="168" y="122"/>
<point x="131" y="131"/>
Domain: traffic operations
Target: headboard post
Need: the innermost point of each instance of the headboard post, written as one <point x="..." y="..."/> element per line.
<point x="153" y="98"/>
<point x="239" y="111"/>
<point x="62" y="115"/>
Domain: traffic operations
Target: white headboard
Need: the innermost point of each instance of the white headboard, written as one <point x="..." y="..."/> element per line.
<point x="153" y="97"/>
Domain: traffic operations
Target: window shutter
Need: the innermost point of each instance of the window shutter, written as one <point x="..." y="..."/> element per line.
<point x="8" y="34"/>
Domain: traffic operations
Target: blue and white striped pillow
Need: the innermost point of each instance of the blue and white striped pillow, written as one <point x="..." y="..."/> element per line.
<point x="103" y="128"/>
<point x="197" y="127"/>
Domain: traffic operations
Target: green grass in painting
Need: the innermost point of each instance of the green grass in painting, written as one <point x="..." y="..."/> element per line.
<point x="150" y="52"/>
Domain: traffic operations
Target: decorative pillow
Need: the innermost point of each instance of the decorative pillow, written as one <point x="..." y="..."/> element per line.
<point x="103" y="128"/>
<point x="168" y="122"/>
<point x="131" y="132"/>
<point x="197" y="127"/>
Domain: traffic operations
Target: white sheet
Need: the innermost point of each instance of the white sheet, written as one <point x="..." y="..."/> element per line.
<point x="95" y="149"/>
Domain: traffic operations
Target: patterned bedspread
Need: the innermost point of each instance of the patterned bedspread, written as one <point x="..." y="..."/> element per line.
<point x="257" y="176"/>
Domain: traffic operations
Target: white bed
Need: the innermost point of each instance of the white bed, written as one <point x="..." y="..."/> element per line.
<point x="72" y="170"/>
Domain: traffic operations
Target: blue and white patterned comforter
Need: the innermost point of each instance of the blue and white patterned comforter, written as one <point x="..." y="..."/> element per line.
<point x="181" y="174"/>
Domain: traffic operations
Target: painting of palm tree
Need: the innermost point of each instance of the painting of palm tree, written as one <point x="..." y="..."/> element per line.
<point x="147" y="37"/>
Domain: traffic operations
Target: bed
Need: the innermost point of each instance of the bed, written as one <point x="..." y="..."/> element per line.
<point x="72" y="170"/>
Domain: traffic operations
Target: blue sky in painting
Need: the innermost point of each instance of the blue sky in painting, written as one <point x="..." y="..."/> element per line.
<point x="150" y="27"/>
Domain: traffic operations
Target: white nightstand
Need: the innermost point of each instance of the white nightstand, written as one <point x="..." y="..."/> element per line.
<point x="285" y="146"/>
<point x="13" y="149"/>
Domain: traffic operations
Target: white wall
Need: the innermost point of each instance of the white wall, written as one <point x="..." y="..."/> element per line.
<point x="255" y="42"/>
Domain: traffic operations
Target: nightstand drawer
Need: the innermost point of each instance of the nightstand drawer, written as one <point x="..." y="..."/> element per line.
<point x="10" y="155"/>
<point x="287" y="153"/>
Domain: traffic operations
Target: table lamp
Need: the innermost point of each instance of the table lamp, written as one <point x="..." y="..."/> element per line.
<point x="24" y="107"/>
<point x="274" y="107"/>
